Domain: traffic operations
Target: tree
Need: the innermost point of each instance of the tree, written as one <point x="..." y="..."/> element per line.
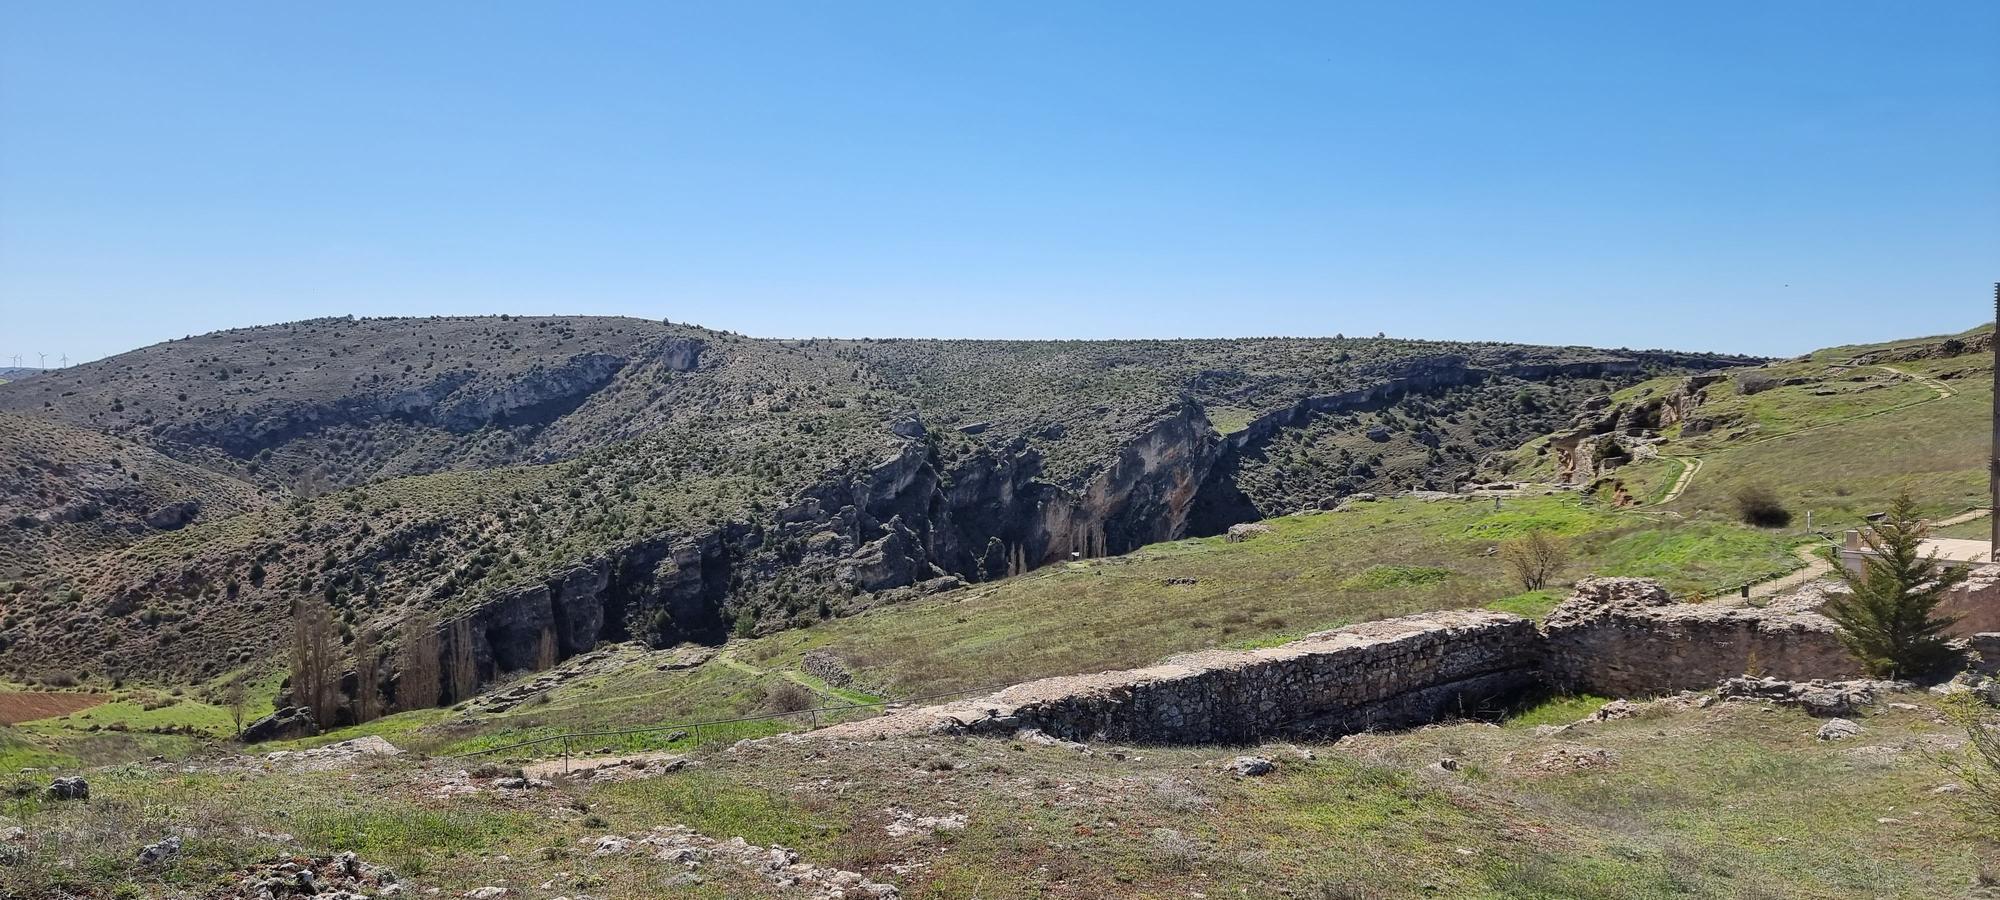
<point x="419" y="677"/>
<point x="1888" y="617"/>
<point x="236" y="696"/>
<point x="1535" y="558"/>
<point x="367" y="674"/>
<point x="315" y="661"/>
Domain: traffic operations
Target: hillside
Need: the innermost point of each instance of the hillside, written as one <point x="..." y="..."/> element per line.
<point x="1567" y="797"/>
<point x="619" y="478"/>
<point x="1837" y="433"/>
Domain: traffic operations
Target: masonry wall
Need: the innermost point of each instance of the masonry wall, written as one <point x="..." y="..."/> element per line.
<point x="1624" y="637"/>
<point x="1621" y="637"/>
<point x="1392" y="673"/>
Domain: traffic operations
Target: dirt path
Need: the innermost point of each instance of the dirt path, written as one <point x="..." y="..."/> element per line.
<point x="1816" y="567"/>
<point x="1689" y="466"/>
<point x="1692" y="464"/>
<point x="1943" y="390"/>
<point x="1962" y="518"/>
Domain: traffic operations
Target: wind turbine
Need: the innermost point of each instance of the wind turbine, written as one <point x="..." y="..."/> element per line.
<point x="65" y="361"/>
<point x="42" y="363"/>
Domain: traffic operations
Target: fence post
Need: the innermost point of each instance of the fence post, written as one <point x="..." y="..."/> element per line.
<point x="815" y="721"/>
<point x="565" y="754"/>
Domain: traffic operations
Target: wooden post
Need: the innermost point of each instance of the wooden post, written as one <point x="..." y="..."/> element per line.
<point x="565" y="754"/>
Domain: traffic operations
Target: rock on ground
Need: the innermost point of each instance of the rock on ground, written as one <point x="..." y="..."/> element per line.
<point x="681" y="846"/>
<point x="1250" y="766"/>
<point x="1819" y="698"/>
<point x="342" y="877"/>
<point x="1244" y="531"/>
<point x="1838" y="729"/>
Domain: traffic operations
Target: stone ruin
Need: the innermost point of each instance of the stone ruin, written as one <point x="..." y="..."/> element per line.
<point x="1616" y="636"/>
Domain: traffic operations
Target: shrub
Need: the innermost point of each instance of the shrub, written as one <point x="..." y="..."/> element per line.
<point x="1888" y="617"/>
<point x="1758" y="505"/>
<point x="787" y="696"/>
<point x="1535" y="558"/>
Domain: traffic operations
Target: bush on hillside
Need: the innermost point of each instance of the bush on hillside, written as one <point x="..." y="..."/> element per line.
<point x="1758" y="505"/>
<point x="1536" y="558"/>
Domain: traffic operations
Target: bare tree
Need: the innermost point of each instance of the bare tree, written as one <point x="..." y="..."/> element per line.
<point x="236" y="696"/>
<point x="367" y="674"/>
<point x="419" y="675"/>
<point x="1535" y="558"/>
<point x="316" y="660"/>
<point x="464" y="661"/>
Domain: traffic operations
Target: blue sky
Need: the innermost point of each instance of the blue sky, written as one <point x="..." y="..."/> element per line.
<point x="1766" y="177"/>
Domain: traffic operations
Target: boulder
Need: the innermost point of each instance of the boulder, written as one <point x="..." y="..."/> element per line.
<point x="286" y="724"/>
<point x="156" y="853"/>
<point x="71" y="788"/>
<point x="1250" y="766"/>
<point x="173" y="515"/>
<point x="1244" y="531"/>
<point x="1838" y="730"/>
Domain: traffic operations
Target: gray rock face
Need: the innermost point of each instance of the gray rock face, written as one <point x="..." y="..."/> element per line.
<point x="286" y="724"/>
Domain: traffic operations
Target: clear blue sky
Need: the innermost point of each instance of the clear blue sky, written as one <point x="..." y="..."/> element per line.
<point x="1766" y="177"/>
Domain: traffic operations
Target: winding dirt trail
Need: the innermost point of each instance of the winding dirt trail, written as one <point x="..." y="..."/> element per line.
<point x="1692" y="464"/>
<point x="1816" y="567"/>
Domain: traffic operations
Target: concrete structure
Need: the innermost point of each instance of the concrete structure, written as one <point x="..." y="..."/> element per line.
<point x="1950" y="551"/>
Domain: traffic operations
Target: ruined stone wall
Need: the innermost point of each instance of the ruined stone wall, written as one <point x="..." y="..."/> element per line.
<point x="1624" y="637"/>
<point x="1617" y="636"/>
<point x="1391" y="673"/>
<point x="1975" y="604"/>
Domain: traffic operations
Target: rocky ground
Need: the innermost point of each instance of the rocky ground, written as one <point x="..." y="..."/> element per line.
<point x="1741" y="792"/>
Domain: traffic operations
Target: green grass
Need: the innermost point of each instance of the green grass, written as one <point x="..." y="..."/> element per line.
<point x="1376" y="578"/>
<point x="1532" y="604"/>
<point x="1557" y="711"/>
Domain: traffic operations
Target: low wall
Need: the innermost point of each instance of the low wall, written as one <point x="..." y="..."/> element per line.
<point x="1624" y="637"/>
<point x="1975" y="604"/>
<point x="1615" y="636"/>
<point x="1383" y="674"/>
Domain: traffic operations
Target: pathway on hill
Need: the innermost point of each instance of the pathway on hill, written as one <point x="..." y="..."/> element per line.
<point x="1689" y="466"/>
<point x="1816" y="567"/>
<point x="1962" y="518"/>
<point x="1692" y="464"/>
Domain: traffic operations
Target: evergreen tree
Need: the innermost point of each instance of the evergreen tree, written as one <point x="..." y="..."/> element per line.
<point x="1889" y="616"/>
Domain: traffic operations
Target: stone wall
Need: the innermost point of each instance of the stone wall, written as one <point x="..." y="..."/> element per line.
<point x="1975" y="604"/>
<point x="1616" y="636"/>
<point x="1624" y="637"/>
<point x="1391" y="673"/>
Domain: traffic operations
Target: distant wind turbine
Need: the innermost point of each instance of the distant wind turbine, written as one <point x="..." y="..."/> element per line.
<point x="42" y="363"/>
